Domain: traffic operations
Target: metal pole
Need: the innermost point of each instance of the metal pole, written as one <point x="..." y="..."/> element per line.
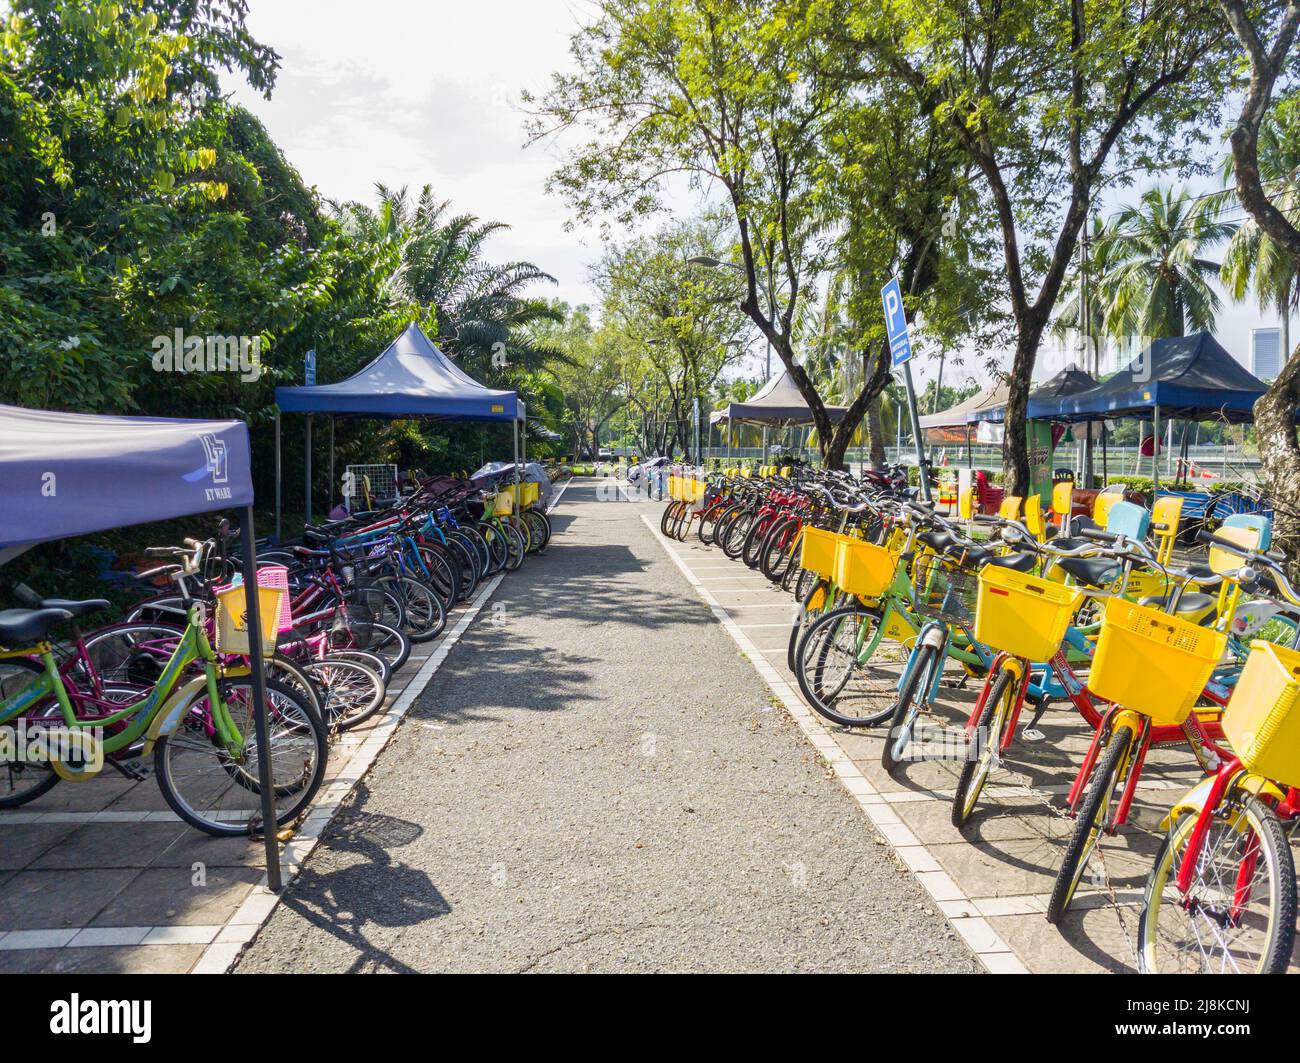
<point x="265" y="780"/>
<point x="277" y="476"/>
<point x="916" y="429"/>
<point x="329" y="496"/>
<point x="515" y="427"/>
<point x="1155" y="455"/>
<point x="307" y="481"/>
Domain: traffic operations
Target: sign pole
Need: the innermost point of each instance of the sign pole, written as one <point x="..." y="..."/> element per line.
<point x="900" y="350"/>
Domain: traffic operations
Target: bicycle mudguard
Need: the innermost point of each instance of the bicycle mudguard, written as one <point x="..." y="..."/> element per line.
<point x="168" y="718"/>
<point x="1195" y="798"/>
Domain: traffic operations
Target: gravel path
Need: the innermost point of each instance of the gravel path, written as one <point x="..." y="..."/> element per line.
<point x="596" y="780"/>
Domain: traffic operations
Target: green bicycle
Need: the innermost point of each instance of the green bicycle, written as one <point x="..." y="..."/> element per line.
<point x="198" y="727"/>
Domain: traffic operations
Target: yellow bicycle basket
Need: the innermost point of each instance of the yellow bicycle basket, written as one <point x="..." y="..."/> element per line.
<point x="503" y="503"/>
<point x="1023" y="615"/>
<point x="818" y="551"/>
<point x="1151" y="662"/>
<point x="861" y="568"/>
<point x="1259" y="721"/>
<point x="232" y="619"/>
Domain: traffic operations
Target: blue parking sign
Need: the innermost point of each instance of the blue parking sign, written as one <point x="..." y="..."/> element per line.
<point x="900" y="343"/>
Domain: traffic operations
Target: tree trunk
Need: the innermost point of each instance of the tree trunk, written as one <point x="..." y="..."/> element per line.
<point x="1015" y="443"/>
<point x="1279" y="452"/>
<point x="875" y="435"/>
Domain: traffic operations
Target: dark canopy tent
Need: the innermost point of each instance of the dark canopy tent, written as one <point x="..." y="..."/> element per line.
<point x="964" y="412"/>
<point x="1189" y="377"/>
<point x="1043" y="400"/>
<point x="66" y="474"/>
<point x="410" y="378"/>
<point x="776" y="404"/>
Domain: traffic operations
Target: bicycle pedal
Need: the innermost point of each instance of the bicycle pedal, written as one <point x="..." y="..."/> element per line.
<point x="132" y="771"/>
<point x="1032" y="734"/>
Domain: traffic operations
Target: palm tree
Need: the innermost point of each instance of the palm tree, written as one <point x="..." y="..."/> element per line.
<point x="1253" y="260"/>
<point x="1101" y="261"/>
<point x="1159" y="284"/>
<point x="482" y="309"/>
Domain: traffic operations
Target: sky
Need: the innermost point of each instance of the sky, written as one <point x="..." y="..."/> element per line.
<point x="408" y="93"/>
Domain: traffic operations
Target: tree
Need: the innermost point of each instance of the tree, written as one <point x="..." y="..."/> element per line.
<point x="1254" y="261"/>
<point x="1158" y="283"/>
<point x="1048" y="101"/>
<point x="820" y="167"/>
<point x="686" y="321"/>
<point x="1266" y="35"/>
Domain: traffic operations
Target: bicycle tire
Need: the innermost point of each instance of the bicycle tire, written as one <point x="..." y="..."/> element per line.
<point x="293" y="720"/>
<point x="1089" y="823"/>
<point x="820" y="688"/>
<point x="988" y="735"/>
<point x="1277" y="859"/>
<point x="21" y="781"/>
<point x="911" y="698"/>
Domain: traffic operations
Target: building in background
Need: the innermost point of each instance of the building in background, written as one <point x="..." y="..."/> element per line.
<point x="1266" y="353"/>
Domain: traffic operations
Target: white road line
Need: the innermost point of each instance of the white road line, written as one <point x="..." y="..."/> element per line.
<point x="978" y="933"/>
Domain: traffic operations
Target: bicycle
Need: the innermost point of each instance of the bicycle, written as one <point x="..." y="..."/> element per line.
<point x="200" y="730"/>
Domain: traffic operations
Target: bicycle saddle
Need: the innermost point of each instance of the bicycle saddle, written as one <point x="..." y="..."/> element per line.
<point x="1016" y="562"/>
<point x="1094" y="571"/>
<point x="1191" y="604"/>
<point x="76" y="608"/>
<point x="21" y="627"/>
<point x="937" y="541"/>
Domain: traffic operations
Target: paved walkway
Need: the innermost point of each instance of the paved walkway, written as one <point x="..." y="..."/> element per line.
<point x="597" y="779"/>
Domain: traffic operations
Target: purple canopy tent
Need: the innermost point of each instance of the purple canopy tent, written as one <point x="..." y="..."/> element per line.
<point x="66" y="474"/>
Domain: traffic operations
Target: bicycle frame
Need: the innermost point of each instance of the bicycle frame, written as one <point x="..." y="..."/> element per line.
<point x="157" y="713"/>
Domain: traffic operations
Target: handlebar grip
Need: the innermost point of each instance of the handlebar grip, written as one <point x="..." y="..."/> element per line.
<point x="1100" y="534"/>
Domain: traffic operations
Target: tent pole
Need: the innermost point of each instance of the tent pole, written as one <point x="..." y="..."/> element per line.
<point x="329" y="496"/>
<point x="523" y="455"/>
<point x="265" y="779"/>
<point x="277" y="476"/>
<point x="306" y="490"/>
<point x="1155" y="455"/>
<point x="515" y="428"/>
<point x="1105" y="467"/>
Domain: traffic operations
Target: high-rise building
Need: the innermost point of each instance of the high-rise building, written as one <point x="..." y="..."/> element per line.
<point x="1266" y="352"/>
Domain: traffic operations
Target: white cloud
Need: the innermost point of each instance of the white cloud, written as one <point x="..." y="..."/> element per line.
<point x="408" y="94"/>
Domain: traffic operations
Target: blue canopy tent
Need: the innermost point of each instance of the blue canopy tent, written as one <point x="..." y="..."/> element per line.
<point x="1190" y="377"/>
<point x="66" y="474"/>
<point x="410" y="378"/>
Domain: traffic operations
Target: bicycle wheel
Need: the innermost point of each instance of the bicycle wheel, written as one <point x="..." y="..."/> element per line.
<point x="737" y="531"/>
<point x="709" y="522"/>
<point x="425" y="616"/>
<point x="21" y="780"/>
<point x="217" y="790"/>
<point x="482" y="552"/>
<point x="834" y="678"/>
<point x="497" y="548"/>
<point x="385" y="641"/>
<point x="1090" y="821"/>
<point x="751" y="549"/>
<point x="516" y="548"/>
<point x="1239" y="913"/>
<point x="370" y="660"/>
<point x="778" y="548"/>
<point x="986" y="746"/>
<point x="539" y="528"/>
<point x="911" y="700"/>
<point x="462" y="552"/>
<point x="352" y="692"/>
<point x="444" y="575"/>
<point x="813" y="600"/>
<point x="669" y="517"/>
